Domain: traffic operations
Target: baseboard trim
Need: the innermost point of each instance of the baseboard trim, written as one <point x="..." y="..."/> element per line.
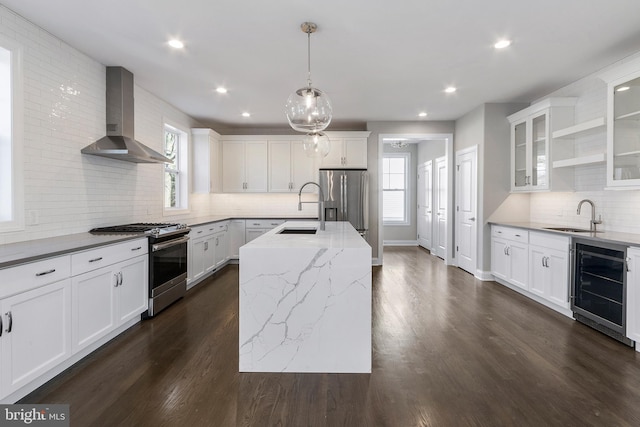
<point x="485" y="276"/>
<point x="400" y="243"/>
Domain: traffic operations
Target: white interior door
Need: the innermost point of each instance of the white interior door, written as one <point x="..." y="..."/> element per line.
<point x="466" y="208"/>
<point x="440" y="207"/>
<point x="425" y="205"/>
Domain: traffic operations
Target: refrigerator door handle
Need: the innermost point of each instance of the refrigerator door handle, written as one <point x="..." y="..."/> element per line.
<point x="343" y="178"/>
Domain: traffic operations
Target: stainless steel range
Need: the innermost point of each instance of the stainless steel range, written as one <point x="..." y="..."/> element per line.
<point x="167" y="260"/>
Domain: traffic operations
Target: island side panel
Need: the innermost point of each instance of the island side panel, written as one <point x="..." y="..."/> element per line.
<point x="305" y="310"/>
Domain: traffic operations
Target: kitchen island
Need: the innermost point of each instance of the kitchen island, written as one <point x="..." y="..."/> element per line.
<point x="305" y="300"/>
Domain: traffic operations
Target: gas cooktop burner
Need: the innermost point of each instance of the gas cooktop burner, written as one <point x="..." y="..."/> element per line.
<point x="155" y="229"/>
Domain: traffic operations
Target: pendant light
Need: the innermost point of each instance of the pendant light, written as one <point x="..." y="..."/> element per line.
<point x="316" y="144"/>
<point x="309" y="109"/>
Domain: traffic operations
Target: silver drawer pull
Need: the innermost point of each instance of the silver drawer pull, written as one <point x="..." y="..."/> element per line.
<point x="95" y="259"/>
<point x="199" y="231"/>
<point x="517" y="235"/>
<point x="136" y="249"/>
<point x="256" y="223"/>
<point x="45" y="272"/>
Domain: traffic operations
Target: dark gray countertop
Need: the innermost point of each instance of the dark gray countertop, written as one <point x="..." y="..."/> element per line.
<point x="22" y="252"/>
<point x="193" y="222"/>
<point x="13" y="254"/>
<point x="628" y="239"/>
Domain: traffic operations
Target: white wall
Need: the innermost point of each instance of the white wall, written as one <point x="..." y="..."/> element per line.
<point x="64" y="110"/>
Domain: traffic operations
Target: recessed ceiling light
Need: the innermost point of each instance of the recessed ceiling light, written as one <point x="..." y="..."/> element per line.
<point x="501" y="44"/>
<point x="450" y="89"/>
<point x="176" y="44"/>
<point x="422" y="114"/>
<point x="221" y="89"/>
<point x="622" y="88"/>
<point x="246" y="114"/>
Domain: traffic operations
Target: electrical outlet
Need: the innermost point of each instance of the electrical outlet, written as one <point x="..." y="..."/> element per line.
<point x="32" y="217"/>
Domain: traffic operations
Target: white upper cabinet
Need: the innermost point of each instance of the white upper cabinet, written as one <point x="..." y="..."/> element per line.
<point x="206" y="161"/>
<point x="290" y="167"/>
<point x="245" y="166"/>
<point x="347" y="151"/>
<point x="623" y="125"/>
<point x="531" y="131"/>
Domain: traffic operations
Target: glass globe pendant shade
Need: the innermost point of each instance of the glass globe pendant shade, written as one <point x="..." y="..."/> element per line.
<point x="316" y="145"/>
<point x="308" y="110"/>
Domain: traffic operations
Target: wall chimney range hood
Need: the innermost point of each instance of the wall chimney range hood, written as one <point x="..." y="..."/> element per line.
<point x="119" y="143"/>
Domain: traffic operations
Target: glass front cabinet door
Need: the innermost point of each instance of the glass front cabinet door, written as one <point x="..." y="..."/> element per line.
<point x="623" y="124"/>
<point x="531" y="131"/>
<point x="623" y="165"/>
<point x="530" y="153"/>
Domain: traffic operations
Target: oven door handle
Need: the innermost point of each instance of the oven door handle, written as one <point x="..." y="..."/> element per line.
<point x="161" y="246"/>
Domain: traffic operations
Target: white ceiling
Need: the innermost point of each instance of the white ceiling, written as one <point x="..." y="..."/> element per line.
<point x="377" y="60"/>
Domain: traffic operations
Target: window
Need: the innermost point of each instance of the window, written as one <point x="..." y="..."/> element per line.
<point x="395" y="197"/>
<point x="11" y="191"/>
<point x="176" y="191"/>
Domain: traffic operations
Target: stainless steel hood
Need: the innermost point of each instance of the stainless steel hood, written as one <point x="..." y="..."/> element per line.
<point x="119" y="143"/>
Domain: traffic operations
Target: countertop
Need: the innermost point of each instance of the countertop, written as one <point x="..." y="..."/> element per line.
<point x="628" y="239"/>
<point x="13" y="254"/>
<point x="194" y="222"/>
<point x="337" y="235"/>
<point x="32" y="250"/>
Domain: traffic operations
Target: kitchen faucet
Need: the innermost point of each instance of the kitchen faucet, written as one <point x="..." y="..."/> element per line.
<point x="593" y="222"/>
<point x="320" y="202"/>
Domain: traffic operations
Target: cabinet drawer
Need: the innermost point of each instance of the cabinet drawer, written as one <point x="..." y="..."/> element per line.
<point x="515" y="234"/>
<point x="264" y="223"/>
<point x="82" y="262"/>
<point x="33" y="275"/>
<point x="218" y="227"/>
<point x="199" y="231"/>
<point x="550" y="240"/>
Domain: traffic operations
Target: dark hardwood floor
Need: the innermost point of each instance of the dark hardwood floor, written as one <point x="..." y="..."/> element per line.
<point x="448" y="350"/>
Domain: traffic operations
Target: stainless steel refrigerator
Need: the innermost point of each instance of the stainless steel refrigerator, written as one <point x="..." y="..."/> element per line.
<point x="346" y="196"/>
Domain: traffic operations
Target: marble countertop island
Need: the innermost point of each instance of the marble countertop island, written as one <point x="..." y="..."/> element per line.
<point x="305" y="301"/>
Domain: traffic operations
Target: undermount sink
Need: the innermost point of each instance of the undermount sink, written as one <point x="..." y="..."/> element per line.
<point x="298" y="231"/>
<point x="570" y="229"/>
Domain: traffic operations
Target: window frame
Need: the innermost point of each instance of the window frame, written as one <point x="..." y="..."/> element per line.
<point x="14" y="221"/>
<point x="181" y="170"/>
<point x="407" y="194"/>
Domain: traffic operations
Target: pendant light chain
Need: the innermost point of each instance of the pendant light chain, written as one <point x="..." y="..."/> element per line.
<point x="309" y="57"/>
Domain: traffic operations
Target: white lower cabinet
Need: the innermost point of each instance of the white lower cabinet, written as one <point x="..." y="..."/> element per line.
<point x="633" y="295"/>
<point x="35" y="334"/>
<point x="207" y="250"/>
<point x="255" y="228"/>
<point x="52" y="310"/>
<point x="534" y="263"/>
<point x="549" y="267"/>
<point x="106" y="298"/>
<point x="236" y="238"/>
<point x="509" y="255"/>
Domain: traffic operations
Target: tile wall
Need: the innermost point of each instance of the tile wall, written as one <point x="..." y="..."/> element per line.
<point x="64" y="110"/>
<point x="619" y="208"/>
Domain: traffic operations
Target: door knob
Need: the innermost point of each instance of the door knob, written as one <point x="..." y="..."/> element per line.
<point x="473" y="218"/>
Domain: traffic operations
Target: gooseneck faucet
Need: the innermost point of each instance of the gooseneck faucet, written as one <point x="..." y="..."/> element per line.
<point x="319" y="202"/>
<point x="593" y="222"/>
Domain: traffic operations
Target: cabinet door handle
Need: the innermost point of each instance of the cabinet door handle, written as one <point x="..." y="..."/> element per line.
<point x="627" y="262"/>
<point x="96" y="259"/>
<point x="1" y="326"/>
<point x="136" y="249"/>
<point x="199" y="232"/>
<point x="121" y="278"/>
<point x="517" y="235"/>
<point x="509" y="250"/>
<point x="206" y="246"/>
<point x="117" y="280"/>
<point x="43" y="273"/>
<point x="10" y="320"/>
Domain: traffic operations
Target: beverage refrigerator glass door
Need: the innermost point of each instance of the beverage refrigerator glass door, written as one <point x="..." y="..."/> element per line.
<point x="167" y="273"/>
<point x="599" y="287"/>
